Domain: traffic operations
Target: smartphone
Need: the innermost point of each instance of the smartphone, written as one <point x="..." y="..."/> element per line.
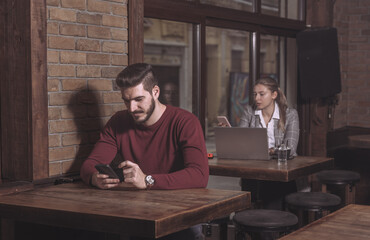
<point x="223" y="120"/>
<point x="108" y="170"/>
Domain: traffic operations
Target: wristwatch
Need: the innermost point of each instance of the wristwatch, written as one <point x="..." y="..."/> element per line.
<point x="149" y="181"/>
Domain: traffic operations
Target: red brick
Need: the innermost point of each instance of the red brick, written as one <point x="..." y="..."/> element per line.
<point x="53" y="56"/>
<point x="114" y="47"/>
<point x="88" y="71"/>
<point x="98" y="59"/>
<point x="118" y="1"/>
<point x="74" y="139"/>
<point x="110" y="72"/>
<point x="74" y="84"/>
<point x="119" y="9"/>
<point x="100" y="85"/>
<point x="52" y="3"/>
<point x="120" y="60"/>
<point x="53" y="85"/>
<point x="62" y="126"/>
<point x="95" y="19"/>
<point x="61" y="71"/>
<point x="98" y="6"/>
<point x="57" y="99"/>
<point x="52" y="28"/>
<point x="98" y="32"/>
<point x="76" y="4"/>
<point x="72" y="30"/>
<point x="53" y="113"/>
<point x="54" y="140"/>
<point x="57" y="42"/>
<point x="112" y="97"/>
<point x="61" y="153"/>
<point x="114" y="21"/>
<point x="119" y="107"/>
<point x="55" y="168"/>
<point x="73" y="111"/>
<point x="62" y="14"/>
<point x="119" y="34"/>
<point x="88" y="45"/>
<point x="72" y="57"/>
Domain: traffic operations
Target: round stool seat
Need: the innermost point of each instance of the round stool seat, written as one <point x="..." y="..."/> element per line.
<point x="314" y="201"/>
<point x="264" y="220"/>
<point x="338" y="177"/>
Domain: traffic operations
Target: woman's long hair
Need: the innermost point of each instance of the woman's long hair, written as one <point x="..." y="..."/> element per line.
<point x="281" y="101"/>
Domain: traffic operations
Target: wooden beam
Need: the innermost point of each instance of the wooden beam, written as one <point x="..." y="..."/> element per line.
<point x="24" y="111"/>
<point x="136" y="31"/>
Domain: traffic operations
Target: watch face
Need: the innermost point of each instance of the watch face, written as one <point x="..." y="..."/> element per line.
<point x="149" y="180"/>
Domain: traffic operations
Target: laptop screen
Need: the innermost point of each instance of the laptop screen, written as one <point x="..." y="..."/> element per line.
<point x="242" y="143"/>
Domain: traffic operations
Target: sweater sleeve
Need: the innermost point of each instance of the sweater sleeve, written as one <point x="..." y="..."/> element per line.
<point x="192" y="147"/>
<point x="103" y="153"/>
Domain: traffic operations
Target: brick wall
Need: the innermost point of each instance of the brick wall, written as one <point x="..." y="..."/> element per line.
<point x="352" y="20"/>
<point x="87" y="47"/>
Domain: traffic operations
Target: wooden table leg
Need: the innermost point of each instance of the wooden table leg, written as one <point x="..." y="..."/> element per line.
<point x="7" y="229"/>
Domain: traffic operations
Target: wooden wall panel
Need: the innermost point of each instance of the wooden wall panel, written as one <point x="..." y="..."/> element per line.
<point x="24" y="134"/>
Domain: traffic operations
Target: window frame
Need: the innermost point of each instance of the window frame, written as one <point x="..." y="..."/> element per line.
<point x="203" y="15"/>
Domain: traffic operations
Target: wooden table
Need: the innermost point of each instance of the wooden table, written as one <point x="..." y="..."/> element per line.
<point x="270" y="170"/>
<point x="351" y="222"/>
<point x="128" y="212"/>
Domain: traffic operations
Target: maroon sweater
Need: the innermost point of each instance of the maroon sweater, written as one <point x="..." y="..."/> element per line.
<point x="172" y="150"/>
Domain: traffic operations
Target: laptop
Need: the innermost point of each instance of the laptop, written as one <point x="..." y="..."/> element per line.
<point x="242" y="143"/>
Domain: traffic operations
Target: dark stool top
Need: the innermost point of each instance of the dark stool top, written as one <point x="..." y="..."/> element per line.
<point x="338" y="177"/>
<point x="265" y="220"/>
<point x="312" y="200"/>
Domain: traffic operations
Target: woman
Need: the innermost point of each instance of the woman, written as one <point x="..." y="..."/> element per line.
<point x="270" y="110"/>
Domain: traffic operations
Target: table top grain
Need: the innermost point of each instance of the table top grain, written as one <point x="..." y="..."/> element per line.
<point x="270" y="170"/>
<point x="127" y="211"/>
<point x="350" y="223"/>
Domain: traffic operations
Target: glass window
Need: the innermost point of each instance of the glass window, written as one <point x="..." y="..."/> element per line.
<point x="227" y="68"/>
<point x="278" y="60"/>
<point x="245" y="5"/>
<point x="281" y="8"/>
<point x="168" y="47"/>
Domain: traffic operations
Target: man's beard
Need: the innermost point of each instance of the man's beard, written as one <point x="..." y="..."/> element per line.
<point x="148" y="113"/>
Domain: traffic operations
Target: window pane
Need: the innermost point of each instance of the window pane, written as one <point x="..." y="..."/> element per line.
<point x="278" y="60"/>
<point x="227" y="60"/>
<point x="168" y="47"/>
<point x="245" y="5"/>
<point x="281" y="8"/>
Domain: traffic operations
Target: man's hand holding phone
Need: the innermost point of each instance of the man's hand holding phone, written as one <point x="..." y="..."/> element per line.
<point x="106" y="177"/>
<point x="126" y="171"/>
<point x="133" y="174"/>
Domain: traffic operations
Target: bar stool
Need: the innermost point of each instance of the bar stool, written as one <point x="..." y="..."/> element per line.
<point x="340" y="177"/>
<point x="263" y="223"/>
<point x="315" y="202"/>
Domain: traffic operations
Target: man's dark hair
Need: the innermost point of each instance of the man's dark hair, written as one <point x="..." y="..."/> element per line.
<point x="135" y="74"/>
